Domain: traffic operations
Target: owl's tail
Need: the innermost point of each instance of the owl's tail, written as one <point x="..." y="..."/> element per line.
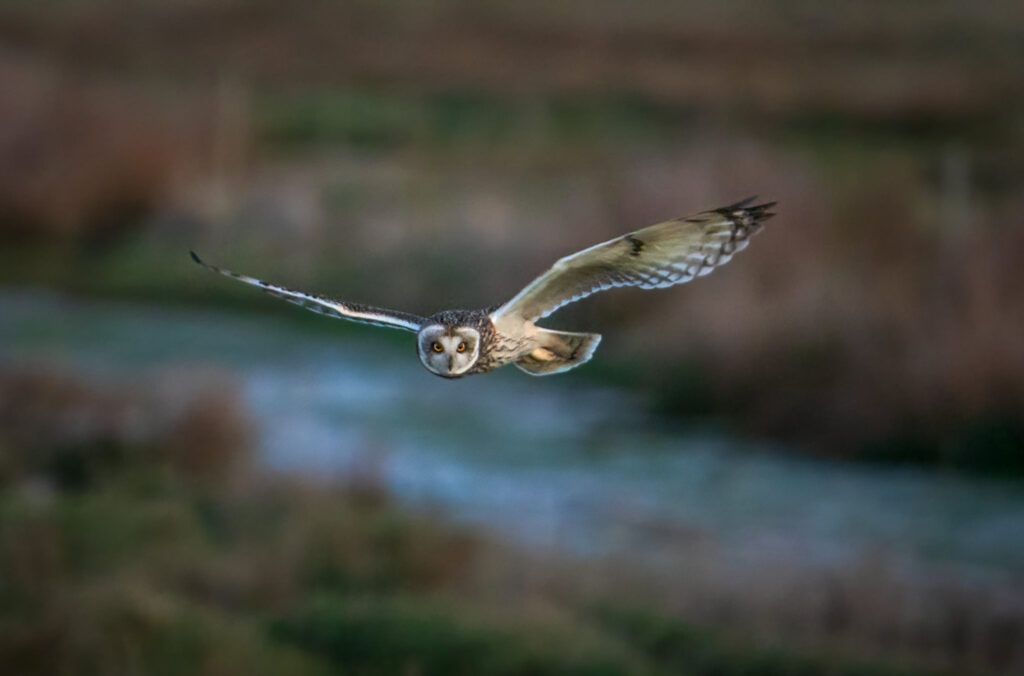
<point x="559" y="351"/>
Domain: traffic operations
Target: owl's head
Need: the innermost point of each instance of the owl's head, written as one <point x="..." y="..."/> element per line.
<point x="448" y="351"/>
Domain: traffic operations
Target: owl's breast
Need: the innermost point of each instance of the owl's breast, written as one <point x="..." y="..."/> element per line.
<point x="499" y="348"/>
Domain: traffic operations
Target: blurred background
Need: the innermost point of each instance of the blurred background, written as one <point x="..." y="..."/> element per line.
<point x="810" y="462"/>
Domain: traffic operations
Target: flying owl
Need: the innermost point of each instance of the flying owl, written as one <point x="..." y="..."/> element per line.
<point x="456" y="343"/>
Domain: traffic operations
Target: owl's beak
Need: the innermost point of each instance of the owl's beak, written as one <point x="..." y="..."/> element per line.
<point x="448" y="376"/>
<point x="451" y="363"/>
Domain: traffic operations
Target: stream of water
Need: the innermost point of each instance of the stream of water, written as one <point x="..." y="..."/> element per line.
<point x="554" y="461"/>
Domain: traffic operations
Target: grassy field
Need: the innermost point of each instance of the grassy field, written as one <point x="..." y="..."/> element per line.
<point x="432" y="155"/>
<point x="161" y="551"/>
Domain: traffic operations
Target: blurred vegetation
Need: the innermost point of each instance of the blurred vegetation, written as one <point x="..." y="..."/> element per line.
<point x="134" y="558"/>
<point x="878" y="318"/>
<point x="424" y="155"/>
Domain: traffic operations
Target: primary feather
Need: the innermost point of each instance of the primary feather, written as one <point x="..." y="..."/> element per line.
<point x="658" y="256"/>
<point x="365" y="314"/>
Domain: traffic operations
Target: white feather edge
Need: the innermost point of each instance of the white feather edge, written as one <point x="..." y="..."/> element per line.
<point x="339" y="308"/>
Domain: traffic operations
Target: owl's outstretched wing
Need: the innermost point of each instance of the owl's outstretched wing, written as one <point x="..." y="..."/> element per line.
<point x="332" y="308"/>
<point x="655" y="257"/>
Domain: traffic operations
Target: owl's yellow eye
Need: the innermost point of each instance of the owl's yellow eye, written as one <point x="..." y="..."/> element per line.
<point x="461" y="347"/>
<point x="437" y="348"/>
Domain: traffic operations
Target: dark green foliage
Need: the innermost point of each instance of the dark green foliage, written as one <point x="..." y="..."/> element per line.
<point x="685" y="391"/>
<point x="359" y="119"/>
<point x="989" y="444"/>
<point x="402" y="635"/>
<point x="374" y="119"/>
<point x="903" y="449"/>
<point x="679" y="647"/>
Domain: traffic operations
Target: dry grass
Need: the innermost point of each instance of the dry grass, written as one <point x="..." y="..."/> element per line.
<point x="879" y="60"/>
<point x="60" y="427"/>
<point x="877" y="315"/>
<point x="871" y="608"/>
<point x="152" y="559"/>
<point x="86" y="160"/>
<point x="880" y="323"/>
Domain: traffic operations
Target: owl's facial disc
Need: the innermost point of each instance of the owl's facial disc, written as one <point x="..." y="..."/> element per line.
<point x="448" y="351"/>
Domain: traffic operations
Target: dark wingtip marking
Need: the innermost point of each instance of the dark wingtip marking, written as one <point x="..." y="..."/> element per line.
<point x="195" y="257"/>
<point x="757" y="211"/>
<point x="637" y="244"/>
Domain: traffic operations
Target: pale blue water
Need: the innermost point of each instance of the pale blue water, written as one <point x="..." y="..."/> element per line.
<point x="549" y="461"/>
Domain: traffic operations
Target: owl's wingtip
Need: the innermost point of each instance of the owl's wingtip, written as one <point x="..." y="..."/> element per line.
<point x="749" y="204"/>
<point x="758" y="211"/>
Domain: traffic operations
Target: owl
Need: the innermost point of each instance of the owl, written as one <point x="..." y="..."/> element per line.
<point x="456" y="343"/>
